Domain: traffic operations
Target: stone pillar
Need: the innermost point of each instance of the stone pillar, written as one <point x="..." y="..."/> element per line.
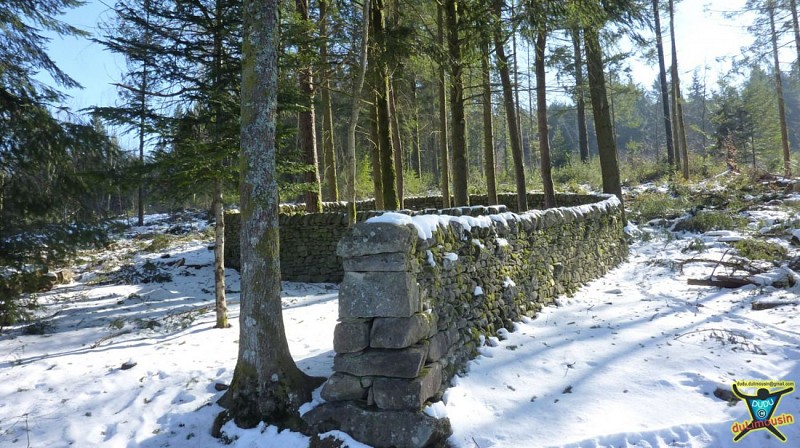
<point x="383" y="373"/>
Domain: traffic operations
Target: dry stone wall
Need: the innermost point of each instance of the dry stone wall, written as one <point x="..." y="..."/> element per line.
<point x="308" y="241"/>
<point x="419" y="293"/>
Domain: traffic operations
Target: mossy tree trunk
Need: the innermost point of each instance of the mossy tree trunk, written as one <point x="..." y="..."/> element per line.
<point x="606" y="143"/>
<point x="458" y="131"/>
<point x="267" y="385"/>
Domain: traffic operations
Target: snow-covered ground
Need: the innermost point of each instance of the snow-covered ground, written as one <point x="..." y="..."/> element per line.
<point x="631" y="360"/>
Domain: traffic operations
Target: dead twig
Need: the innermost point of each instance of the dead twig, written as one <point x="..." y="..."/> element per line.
<point x="747" y="267"/>
<point x="110" y="336"/>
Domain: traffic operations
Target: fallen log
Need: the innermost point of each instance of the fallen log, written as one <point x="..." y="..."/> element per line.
<point x="758" y="306"/>
<point x="721" y="281"/>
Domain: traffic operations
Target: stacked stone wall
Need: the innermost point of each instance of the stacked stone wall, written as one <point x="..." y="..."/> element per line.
<point x="308" y="241"/>
<point x="419" y="293"/>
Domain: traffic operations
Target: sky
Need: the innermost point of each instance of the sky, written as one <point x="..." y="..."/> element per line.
<point x="704" y="36"/>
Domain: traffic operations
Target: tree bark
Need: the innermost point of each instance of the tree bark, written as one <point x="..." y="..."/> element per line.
<point x="458" y="132"/>
<point x="787" y="163"/>
<point x="580" y="101"/>
<point x="541" y="111"/>
<point x="511" y="112"/>
<point x="221" y="305"/>
<point x="381" y="85"/>
<point x="307" y="134"/>
<point x="676" y="87"/>
<point x="416" y="156"/>
<point x="143" y="120"/>
<point x="444" y="133"/>
<point x="488" y="131"/>
<point x="355" y="108"/>
<point x="796" y="29"/>
<point x="267" y="385"/>
<point x="662" y="79"/>
<point x="328" y="147"/>
<point x="607" y="147"/>
<point x="375" y="156"/>
<point x="398" y="145"/>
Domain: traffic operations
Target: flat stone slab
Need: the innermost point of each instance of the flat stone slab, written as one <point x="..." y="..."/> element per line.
<point x="378" y="294"/>
<point x="369" y="238"/>
<point x="381" y="429"/>
<point x="400" y="394"/>
<point x="390" y="262"/>
<point x="406" y="363"/>
<point x="340" y="387"/>
<point x="400" y="332"/>
<point x="351" y="337"/>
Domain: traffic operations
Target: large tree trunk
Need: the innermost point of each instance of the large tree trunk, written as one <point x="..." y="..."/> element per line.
<point x="458" y="132"/>
<point x="488" y="131"/>
<point x="676" y="94"/>
<point x="662" y="79"/>
<point x="307" y="134"/>
<point x="511" y="112"/>
<point x="143" y="121"/>
<point x="541" y="111"/>
<point x="580" y="101"/>
<point x="607" y="147"/>
<point x="267" y="385"/>
<point x="355" y="108"/>
<point x="787" y="163"/>
<point x="444" y="133"/>
<point x="328" y="148"/>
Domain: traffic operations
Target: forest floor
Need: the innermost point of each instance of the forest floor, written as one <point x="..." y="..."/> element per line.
<point x="126" y="355"/>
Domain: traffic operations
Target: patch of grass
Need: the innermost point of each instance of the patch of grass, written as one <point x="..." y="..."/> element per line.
<point x="761" y="250"/>
<point x="116" y="324"/>
<point x="708" y="220"/>
<point x="653" y="205"/>
<point x="696" y="245"/>
<point x="159" y="243"/>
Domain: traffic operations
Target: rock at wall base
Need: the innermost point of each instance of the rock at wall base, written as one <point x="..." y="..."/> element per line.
<point x="381" y="429"/>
